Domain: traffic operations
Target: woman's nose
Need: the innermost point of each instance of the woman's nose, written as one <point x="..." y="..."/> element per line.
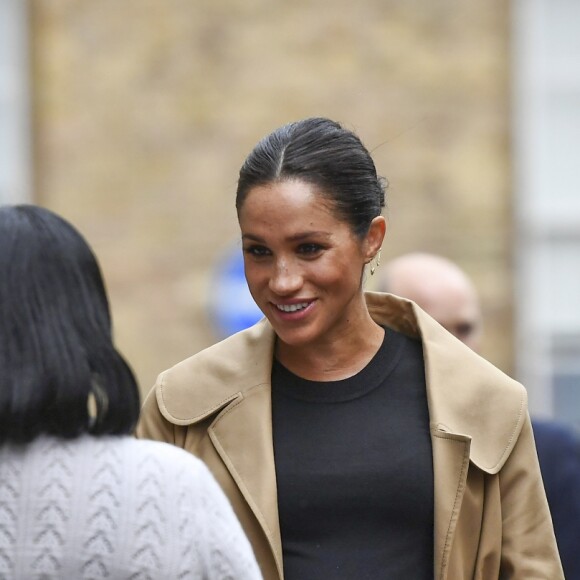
<point x="285" y="278"/>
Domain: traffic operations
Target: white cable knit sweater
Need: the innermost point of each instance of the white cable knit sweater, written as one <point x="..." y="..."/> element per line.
<point x="115" y="508"/>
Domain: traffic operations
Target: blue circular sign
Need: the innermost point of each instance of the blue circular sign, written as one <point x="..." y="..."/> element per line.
<point x="232" y="305"/>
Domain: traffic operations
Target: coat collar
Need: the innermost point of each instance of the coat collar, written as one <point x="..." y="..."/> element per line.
<point x="467" y="395"/>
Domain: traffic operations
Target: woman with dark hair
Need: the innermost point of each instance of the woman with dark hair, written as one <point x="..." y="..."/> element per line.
<point x="354" y="436"/>
<point x="79" y="497"/>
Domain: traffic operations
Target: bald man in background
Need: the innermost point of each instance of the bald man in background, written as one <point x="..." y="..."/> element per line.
<point x="445" y="292"/>
<point x="440" y="288"/>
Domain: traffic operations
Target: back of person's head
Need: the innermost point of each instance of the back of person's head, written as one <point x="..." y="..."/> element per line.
<point x="441" y="288"/>
<point x="60" y="373"/>
<point x="322" y="153"/>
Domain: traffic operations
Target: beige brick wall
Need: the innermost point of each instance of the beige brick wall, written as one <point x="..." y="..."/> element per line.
<point x="145" y="109"/>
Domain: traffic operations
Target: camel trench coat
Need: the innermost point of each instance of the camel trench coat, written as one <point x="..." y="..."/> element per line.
<point x="491" y="518"/>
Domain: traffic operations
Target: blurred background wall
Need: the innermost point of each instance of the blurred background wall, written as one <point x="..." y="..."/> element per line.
<point x="142" y="111"/>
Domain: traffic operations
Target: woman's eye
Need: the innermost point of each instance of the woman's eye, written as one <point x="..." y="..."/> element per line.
<point x="257" y="251"/>
<point x="309" y="249"/>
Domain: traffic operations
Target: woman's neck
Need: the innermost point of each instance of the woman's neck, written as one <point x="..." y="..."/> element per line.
<point x="340" y="358"/>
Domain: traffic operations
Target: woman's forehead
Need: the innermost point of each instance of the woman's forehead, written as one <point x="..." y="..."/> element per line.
<point x="287" y="196"/>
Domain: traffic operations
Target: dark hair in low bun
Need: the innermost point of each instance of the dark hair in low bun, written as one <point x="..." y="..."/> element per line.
<point x="320" y="152"/>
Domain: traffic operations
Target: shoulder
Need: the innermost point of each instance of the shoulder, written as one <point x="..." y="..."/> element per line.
<point x="451" y="367"/>
<point x="467" y="395"/>
<point x="166" y="458"/>
<point x="137" y="459"/>
<point x="121" y="463"/>
<point x="226" y="356"/>
<point x="208" y="380"/>
<point x="471" y="396"/>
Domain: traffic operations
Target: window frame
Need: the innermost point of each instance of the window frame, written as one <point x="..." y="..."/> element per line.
<point x="542" y="224"/>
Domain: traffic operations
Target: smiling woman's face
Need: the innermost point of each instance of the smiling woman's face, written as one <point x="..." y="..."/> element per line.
<point x="303" y="264"/>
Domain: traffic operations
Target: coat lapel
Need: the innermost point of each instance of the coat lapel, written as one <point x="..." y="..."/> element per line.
<point x="451" y="462"/>
<point x="475" y="411"/>
<point x="242" y="435"/>
<point x="232" y="387"/>
<point x="467" y="395"/>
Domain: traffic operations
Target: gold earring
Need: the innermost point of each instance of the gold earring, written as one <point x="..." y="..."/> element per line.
<point x="377" y="262"/>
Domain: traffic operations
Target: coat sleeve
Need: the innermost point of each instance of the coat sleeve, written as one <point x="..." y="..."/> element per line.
<point x="528" y="543"/>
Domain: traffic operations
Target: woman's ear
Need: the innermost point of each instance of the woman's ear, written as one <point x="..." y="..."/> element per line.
<point x="375" y="236"/>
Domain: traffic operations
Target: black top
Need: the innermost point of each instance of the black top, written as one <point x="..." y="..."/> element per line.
<point x="354" y="469"/>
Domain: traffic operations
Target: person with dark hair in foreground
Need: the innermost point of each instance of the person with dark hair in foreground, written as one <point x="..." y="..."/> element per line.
<point x="81" y="498"/>
<point x="355" y="437"/>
